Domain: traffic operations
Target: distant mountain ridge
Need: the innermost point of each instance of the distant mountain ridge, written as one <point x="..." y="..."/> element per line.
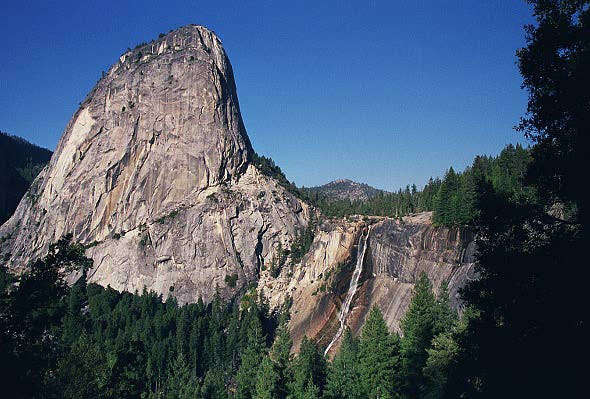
<point x="20" y="163"/>
<point x="346" y="189"/>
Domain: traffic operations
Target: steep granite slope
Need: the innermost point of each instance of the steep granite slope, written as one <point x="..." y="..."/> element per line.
<point x="397" y="252"/>
<point x="153" y="175"/>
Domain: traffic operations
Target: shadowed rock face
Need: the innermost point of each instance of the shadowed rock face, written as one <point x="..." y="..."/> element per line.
<point x="152" y="172"/>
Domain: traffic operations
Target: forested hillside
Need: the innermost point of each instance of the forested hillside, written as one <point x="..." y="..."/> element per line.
<point x="343" y="189"/>
<point x="453" y="199"/>
<point x="86" y="341"/>
<point x="455" y="202"/>
<point x="522" y="332"/>
<point x="20" y="163"/>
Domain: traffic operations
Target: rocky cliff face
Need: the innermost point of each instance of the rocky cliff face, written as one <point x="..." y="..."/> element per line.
<point x="397" y="252"/>
<point x="152" y="174"/>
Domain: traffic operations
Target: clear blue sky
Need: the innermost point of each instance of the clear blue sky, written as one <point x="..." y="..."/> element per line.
<point x="382" y="92"/>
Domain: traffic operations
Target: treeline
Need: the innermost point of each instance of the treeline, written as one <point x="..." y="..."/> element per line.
<point x="404" y="202"/>
<point x="379" y="364"/>
<point x="27" y="158"/>
<point x="452" y="199"/>
<point x="269" y="168"/>
<point x="20" y="163"/>
<point x="86" y="341"/>
<point x="455" y="202"/>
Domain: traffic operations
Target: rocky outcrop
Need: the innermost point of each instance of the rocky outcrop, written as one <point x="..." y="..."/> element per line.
<point x="152" y="174"/>
<point x="397" y="252"/>
<point x="345" y="189"/>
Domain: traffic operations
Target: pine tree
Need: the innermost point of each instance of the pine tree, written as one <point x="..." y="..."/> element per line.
<point x="181" y="382"/>
<point x="267" y="380"/>
<point x="73" y="322"/>
<point x="251" y="358"/>
<point x="378" y="358"/>
<point x="444" y="316"/>
<point x="280" y="354"/>
<point x="343" y="375"/>
<point x="530" y="339"/>
<point x="309" y="368"/>
<point x="311" y="392"/>
<point x="82" y="372"/>
<point x="418" y="330"/>
<point x="441" y="377"/>
<point x="214" y="386"/>
<point x="441" y="360"/>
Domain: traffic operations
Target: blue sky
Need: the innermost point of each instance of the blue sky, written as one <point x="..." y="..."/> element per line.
<point x="383" y="92"/>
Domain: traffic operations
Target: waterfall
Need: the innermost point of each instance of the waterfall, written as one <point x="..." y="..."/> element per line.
<point x="360" y="257"/>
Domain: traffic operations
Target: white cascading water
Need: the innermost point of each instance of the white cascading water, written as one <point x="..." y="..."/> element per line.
<point x="352" y="288"/>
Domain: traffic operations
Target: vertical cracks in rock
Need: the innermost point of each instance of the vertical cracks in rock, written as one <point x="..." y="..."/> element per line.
<point x="259" y="247"/>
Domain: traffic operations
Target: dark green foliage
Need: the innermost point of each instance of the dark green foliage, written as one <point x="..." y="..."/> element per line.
<point x="83" y="372"/>
<point x="343" y="376"/>
<point x="302" y="243"/>
<point x="444" y="316"/>
<point x="418" y="331"/>
<point x="20" y="163"/>
<point x="268" y="167"/>
<point x="440" y="363"/>
<point x="280" y="354"/>
<point x="267" y="380"/>
<point x="427" y="346"/>
<point x="309" y="371"/>
<point x="378" y="358"/>
<point x="88" y="341"/>
<point x="251" y="357"/>
<point x="231" y="280"/>
<point x="520" y="306"/>
<point x="182" y="382"/>
<point x="30" y="318"/>
<point x="455" y="201"/>
<point x="554" y="66"/>
<point x="529" y="334"/>
<point x="311" y="392"/>
<point x="214" y="386"/>
<point x="452" y="199"/>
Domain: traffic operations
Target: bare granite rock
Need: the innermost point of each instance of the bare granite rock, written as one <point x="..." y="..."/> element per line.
<point x="152" y="174"/>
<point x="397" y="253"/>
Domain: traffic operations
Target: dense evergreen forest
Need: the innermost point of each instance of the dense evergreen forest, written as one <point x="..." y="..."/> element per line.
<point x="20" y="163"/>
<point x="523" y="332"/>
<point x="86" y="341"/>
